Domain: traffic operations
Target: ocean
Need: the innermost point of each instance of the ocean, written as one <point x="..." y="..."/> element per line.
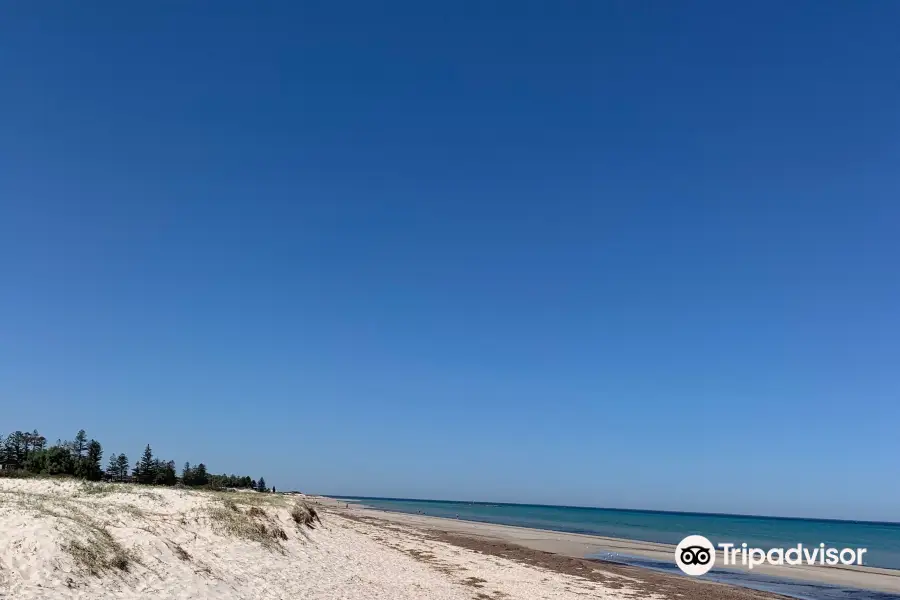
<point x="881" y="539"/>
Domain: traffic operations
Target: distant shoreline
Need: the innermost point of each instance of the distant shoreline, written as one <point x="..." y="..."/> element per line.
<point x="581" y="545"/>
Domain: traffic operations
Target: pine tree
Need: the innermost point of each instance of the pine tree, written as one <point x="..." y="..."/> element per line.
<point x="79" y="446"/>
<point x="26" y="445"/>
<point x="122" y="467"/>
<point x="187" y="474"/>
<point x="37" y="440"/>
<point x="112" y="469"/>
<point x="93" y="460"/>
<point x="201" y="477"/>
<point x="146" y="471"/>
<point x="15" y="450"/>
<point x="261" y="485"/>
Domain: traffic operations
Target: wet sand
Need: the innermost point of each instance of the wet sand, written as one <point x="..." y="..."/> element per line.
<point x="577" y="546"/>
<point x="609" y="577"/>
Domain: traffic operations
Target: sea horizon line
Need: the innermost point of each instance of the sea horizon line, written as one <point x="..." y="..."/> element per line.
<point x="616" y="509"/>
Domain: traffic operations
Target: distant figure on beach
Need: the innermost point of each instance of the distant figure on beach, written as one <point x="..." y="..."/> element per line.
<point x="457" y="515"/>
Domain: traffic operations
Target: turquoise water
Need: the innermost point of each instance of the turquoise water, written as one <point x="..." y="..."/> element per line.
<point x="881" y="539"/>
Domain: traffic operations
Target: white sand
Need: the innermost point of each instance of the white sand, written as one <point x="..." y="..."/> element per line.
<point x="179" y="550"/>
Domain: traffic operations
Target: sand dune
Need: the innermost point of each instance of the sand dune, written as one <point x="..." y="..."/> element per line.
<point x="66" y="539"/>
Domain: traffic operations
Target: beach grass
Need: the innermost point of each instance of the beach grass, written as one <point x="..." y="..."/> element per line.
<point x="253" y="524"/>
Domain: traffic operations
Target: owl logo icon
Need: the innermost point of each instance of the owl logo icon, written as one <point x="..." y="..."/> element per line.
<point x="695" y="555"/>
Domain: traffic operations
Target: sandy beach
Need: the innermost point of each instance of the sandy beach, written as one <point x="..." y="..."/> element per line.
<point x="65" y="539"/>
<point x="73" y="540"/>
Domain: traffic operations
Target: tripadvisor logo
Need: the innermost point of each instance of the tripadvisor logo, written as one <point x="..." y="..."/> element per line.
<point x="696" y="555"/>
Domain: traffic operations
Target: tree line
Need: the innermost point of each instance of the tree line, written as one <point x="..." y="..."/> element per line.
<point x="28" y="453"/>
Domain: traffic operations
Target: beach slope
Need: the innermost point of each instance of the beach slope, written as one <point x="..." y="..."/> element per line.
<point x="65" y="539"/>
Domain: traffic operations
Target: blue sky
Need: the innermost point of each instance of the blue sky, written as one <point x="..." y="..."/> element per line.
<point x="604" y="253"/>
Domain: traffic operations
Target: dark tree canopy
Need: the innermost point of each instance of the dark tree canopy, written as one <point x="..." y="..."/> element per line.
<point x="82" y="457"/>
<point x="112" y="468"/>
<point x="94" y="460"/>
<point x="79" y="446"/>
<point x="122" y="467"/>
<point x="145" y="472"/>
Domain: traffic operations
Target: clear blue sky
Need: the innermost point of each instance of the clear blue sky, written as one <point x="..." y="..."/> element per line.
<point x="635" y="255"/>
